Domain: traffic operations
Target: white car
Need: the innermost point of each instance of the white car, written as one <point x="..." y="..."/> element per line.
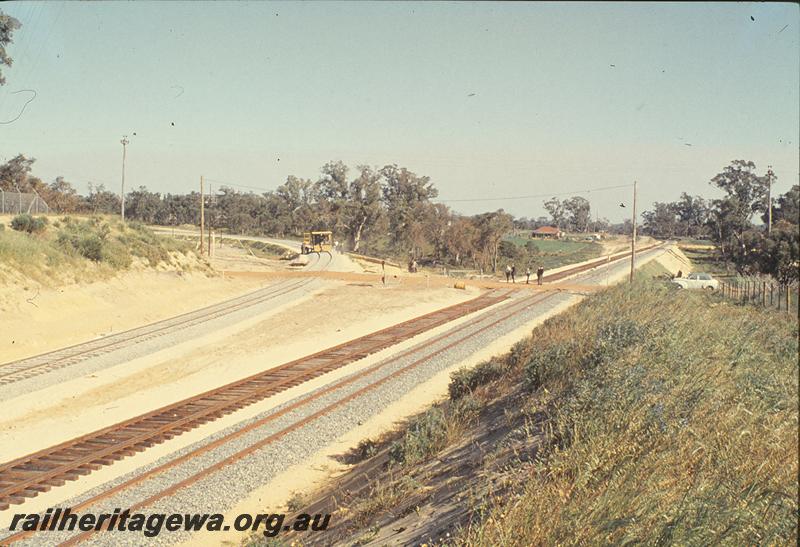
<point x="697" y="281"/>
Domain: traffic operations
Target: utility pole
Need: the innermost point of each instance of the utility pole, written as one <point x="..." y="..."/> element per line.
<point x="633" y="238"/>
<point x="124" y="142"/>
<point x="770" y="174"/>
<point x="202" y="214"/>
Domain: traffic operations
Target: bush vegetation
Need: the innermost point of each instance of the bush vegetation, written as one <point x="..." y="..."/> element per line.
<point x="75" y="249"/>
<point x="29" y="224"/>
<point x="673" y="419"/>
<point x="524" y="252"/>
<point x="657" y="416"/>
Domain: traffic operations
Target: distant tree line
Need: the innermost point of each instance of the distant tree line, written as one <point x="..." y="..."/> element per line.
<point x="388" y="210"/>
<point x="728" y="221"/>
<point x="391" y="211"/>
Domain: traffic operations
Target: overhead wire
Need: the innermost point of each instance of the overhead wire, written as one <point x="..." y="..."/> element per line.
<point x="28" y="24"/>
<point x="225" y="183"/>
<point x="533" y="196"/>
<point x="45" y="43"/>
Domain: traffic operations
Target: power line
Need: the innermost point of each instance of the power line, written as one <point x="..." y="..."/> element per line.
<point x="532" y="196"/>
<point x="45" y="44"/>
<point x="224" y="183"/>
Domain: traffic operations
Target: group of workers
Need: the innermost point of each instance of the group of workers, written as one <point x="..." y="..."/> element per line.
<point x="511" y="274"/>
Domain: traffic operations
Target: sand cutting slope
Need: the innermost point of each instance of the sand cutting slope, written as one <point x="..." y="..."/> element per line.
<point x="319" y="320"/>
<point x="40" y="320"/>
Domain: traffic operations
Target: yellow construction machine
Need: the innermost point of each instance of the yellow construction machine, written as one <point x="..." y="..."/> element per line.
<point x="317" y="242"/>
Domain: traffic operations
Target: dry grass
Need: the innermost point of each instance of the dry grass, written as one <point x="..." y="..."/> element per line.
<point x="672" y="418"/>
<point x="644" y="415"/>
<point x="71" y="249"/>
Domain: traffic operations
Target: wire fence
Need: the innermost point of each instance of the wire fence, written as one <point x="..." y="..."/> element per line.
<point x="21" y="202"/>
<point x="762" y="292"/>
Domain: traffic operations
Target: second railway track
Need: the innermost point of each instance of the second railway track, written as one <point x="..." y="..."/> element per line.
<point x="30" y="367"/>
<point x="26" y="477"/>
<point x="418" y="356"/>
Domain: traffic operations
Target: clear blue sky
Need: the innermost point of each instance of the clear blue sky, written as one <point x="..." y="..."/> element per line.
<point x="494" y="99"/>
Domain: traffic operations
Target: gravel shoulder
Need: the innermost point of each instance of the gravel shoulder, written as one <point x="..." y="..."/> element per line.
<point x="334" y="314"/>
<point x="294" y="329"/>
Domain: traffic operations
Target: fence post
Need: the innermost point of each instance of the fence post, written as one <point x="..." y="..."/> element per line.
<point x="788" y="292"/>
<point x="770" y="294"/>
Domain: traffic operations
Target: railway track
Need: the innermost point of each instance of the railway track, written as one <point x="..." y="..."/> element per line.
<point x="424" y="354"/>
<point x="557" y="276"/>
<point x="30" y="367"/>
<point x="26" y="477"/>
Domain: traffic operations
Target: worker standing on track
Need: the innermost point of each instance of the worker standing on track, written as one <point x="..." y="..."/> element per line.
<point x="513" y="273"/>
<point x="508" y="272"/>
<point x="539" y="275"/>
<point x="527" y="275"/>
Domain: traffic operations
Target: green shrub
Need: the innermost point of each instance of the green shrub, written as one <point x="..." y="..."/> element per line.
<point x="90" y="240"/>
<point x="466" y="409"/>
<point x="542" y="363"/>
<point x="22" y="223"/>
<point x="116" y="254"/>
<point x="426" y="435"/>
<point x="464" y="380"/>
<point x="612" y="339"/>
<point x="29" y="224"/>
<point x="91" y="247"/>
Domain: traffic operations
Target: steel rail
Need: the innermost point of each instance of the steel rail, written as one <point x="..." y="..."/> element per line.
<point x="30" y="367"/>
<point x="504" y="313"/>
<point x="25" y="477"/>
<point x="595" y="264"/>
<point x="95" y="462"/>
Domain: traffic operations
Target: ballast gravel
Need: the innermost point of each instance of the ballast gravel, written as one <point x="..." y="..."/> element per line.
<point x="274" y="295"/>
<point x="219" y="491"/>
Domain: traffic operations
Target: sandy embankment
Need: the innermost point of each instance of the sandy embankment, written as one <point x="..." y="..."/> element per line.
<point x="312" y="474"/>
<point x="315" y="322"/>
<point x="44" y="319"/>
<point x="39" y="319"/>
<point x="339" y="313"/>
